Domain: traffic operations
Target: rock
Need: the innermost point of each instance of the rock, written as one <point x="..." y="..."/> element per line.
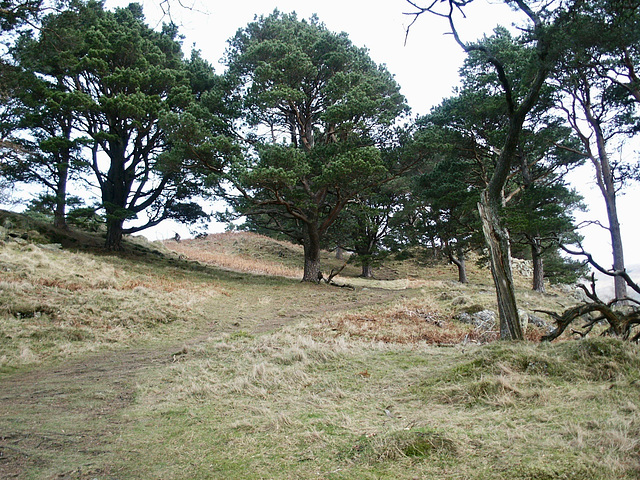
<point x="483" y="320"/>
<point x="574" y="292"/>
<point x="580" y="295"/>
<point x="475" y="308"/>
<point x="521" y="267"/>
<point x="51" y="246"/>
<point x="524" y="320"/>
<point x="537" y="321"/>
<point x="486" y="319"/>
<point x="18" y="240"/>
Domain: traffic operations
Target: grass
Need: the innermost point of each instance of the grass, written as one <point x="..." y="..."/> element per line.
<point x="153" y="365"/>
<point x="291" y="405"/>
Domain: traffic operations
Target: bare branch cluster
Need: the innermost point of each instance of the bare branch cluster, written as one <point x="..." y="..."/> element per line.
<point x="621" y="317"/>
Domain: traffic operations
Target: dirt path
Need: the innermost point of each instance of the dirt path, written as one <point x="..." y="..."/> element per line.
<point x="64" y="421"/>
<point x="74" y="407"/>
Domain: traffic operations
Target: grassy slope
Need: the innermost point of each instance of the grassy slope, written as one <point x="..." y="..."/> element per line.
<point x="148" y="365"/>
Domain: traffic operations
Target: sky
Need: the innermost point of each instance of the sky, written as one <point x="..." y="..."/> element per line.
<point x="425" y="64"/>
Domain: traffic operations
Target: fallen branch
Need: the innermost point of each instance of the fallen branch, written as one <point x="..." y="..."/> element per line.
<point x="344" y="285"/>
<point x="335" y="273"/>
<point x="620" y="324"/>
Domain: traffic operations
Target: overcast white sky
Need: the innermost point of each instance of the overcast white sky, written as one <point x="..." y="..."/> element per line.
<point x="426" y="67"/>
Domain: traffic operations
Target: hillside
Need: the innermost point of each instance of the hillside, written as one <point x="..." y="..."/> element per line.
<point x="209" y="359"/>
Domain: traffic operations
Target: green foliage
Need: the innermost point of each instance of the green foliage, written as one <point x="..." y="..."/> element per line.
<point x="124" y="90"/>
<point x="319" y="108"/>
<point x="14" y="13"/>
<point x="86" y="218"/>
<point x="543" y="210"/>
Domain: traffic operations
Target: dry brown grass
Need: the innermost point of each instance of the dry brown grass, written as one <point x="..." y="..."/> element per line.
<point x="417" y="320"/>
<point x="337" y="390"/>
<point x="240" y="252"/>
<point x="55" y="302"/>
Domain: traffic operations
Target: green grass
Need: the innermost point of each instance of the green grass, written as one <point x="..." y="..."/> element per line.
<point x="146" y="365"/>
<point x="290" y="406"/>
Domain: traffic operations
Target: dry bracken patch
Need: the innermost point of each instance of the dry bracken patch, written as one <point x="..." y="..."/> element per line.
<point x="407" y="321"/>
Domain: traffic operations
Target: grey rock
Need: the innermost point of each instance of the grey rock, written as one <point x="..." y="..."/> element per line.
<point x="484" y="320"/>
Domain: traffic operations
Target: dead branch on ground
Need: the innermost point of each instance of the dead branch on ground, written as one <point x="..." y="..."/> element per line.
<point x="621" y="321"/>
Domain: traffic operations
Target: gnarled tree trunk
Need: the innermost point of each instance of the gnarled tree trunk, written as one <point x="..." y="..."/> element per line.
<point x="497" y="239"/>
<point x="459" y="261"/>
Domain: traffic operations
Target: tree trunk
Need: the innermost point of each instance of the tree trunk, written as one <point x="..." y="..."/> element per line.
<point x="367" y="270"/>
<point x="460" y="262"/>
<point x="606" y="183"/>
<point x="538" y="265"/>
<point x="114" y="233"/>
<point x="115" y="191"/>
<point x="311" y="244"/>
<point x="616" y="245"/>
<point x="59" y="215"/>
<point x="62" y="168"/>
<point x="497" y="239"/>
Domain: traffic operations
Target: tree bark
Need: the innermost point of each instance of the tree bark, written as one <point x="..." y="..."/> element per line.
<point x="606" y="184"/>
<point x="538" y="266"/>
<point x="114" y="233"/>
<point x="114" y="195"/>
<point x="616" y="245"/>
<point x="460" y="262"/>
<point x="367" y="270"/>
<point x="497" y="239"/>
<point x="311" y="245"/>
<point x="62" y="167"/>
<point x="60" y="213"/>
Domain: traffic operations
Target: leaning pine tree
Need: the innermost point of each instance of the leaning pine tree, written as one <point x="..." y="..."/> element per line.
<point x="520" y="67"/>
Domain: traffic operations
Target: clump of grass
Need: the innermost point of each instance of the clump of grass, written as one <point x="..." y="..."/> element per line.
<point x="597" y="358"/>
<point x="504" y="375"/>
<point x="601" y="358"/>
<point x="421" y="444"/>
